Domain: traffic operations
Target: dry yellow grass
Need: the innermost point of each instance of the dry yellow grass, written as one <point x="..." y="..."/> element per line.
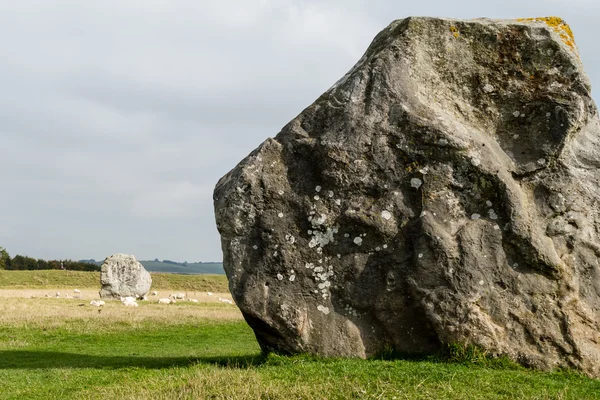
<point x="17" y="308"/>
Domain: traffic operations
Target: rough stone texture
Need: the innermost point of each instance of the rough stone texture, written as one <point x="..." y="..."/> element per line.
<point x="123" y="276"/>
<point x="444" y="191"/>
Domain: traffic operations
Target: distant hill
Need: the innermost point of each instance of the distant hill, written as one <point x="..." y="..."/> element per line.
<point x="175" y="267"/>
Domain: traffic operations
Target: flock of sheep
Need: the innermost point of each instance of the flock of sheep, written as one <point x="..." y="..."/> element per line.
<point x="132" y="301"/>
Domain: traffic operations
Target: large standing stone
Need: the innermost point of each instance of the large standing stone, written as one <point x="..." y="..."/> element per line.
<point x="444" y="191"/>
<point x="122" y="276"/>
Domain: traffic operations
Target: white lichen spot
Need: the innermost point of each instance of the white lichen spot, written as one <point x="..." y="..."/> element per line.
<point x="292" y="278"/>
<point x="275" y="254"/>
<point x="317" y="197"/>
<point x="385" y="186"/>
<point x="358" y="240"/>
<point x="443" y="142"/>
<point x="451" y="271"/>
<point x="416" y="183"/>
<point x="488" y="88"/>
<point x="330" y="193"/>
<point x="516" y="114"/>
<point x="488" y="203"/>
<point x="420" y="255"/>
<point x="338" y="202"/>
<point x="255" y="247"/>
<point x="323" y="309"/>
<point x="475" y="216"/>
<point x="481" y="283"/>
<point x="492" y="214"/>
<point x="515" y="137"/>
<point x="475" y="161"/>
<point x="280" y="215"/>
<point x="496" y="227"/>
<point x="522" y="115"/>
<point x="280" y="192"/>
<point x="386" y="215"/>
<point x="541" y="161"/>
<point x="396" y="193"/>
<point x="385" y="246"/>
<point x="290" y="238"/>
<point x="280" y="277"/>
<point x="423" y="213"/>
<point x="516" y="265"/>
<point x="339" y="256"/>
<point x="309" y="265"/>
<point x="318" y="189"/>
<point x="377" y="248"/>
<point x="346" y="235"/>
<point x="548" y="115"/>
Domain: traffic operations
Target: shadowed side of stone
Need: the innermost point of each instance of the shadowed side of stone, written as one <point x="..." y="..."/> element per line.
<point x="443" y="191"/>
<point x="123" y="276"/>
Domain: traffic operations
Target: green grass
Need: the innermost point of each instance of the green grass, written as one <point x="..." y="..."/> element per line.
<point x="81" y="279"/>
<point x="54" y="349"/>
<point x="94" y="359"/>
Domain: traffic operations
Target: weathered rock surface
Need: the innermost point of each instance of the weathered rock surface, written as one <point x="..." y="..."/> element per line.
<point x="123" y="276"/>
<point x="444" y="191"/>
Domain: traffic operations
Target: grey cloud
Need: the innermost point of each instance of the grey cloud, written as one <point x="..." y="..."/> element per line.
<point x="117" y="118"/>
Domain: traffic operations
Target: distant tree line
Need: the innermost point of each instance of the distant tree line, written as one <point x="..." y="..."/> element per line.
<point x="20" y="263"/>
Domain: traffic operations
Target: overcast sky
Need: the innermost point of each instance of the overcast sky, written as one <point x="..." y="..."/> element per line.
<point x="118" y="117"/>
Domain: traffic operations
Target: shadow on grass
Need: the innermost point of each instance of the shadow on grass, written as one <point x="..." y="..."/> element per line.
<point x="47" y="359"/>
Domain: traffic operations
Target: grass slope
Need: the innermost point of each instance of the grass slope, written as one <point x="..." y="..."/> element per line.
<point x="190" y="268"/>
<point x="80" y="279"/>
<point x="55" y="349"/>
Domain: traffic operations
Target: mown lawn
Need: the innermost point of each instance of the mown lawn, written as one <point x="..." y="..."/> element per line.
<point x="177" y="352"/>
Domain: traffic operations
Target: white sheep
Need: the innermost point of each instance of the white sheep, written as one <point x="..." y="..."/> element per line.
<point x="129" y="301"/>
<point x="76" y="291"/>
<point x="57" y="295"/>
<point x="155" y="293"/>
<point x="97" y="303"/>
<point x="178" y="296"/>
<point x="193" y="300"/>
<point x="209" y="293"/>
<point x="166" y="300"/>
<point x="225" y="301"/>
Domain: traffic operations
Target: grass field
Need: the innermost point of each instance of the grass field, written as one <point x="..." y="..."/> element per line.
<point x="80" y="279"/>
<point x="55" y="349"/>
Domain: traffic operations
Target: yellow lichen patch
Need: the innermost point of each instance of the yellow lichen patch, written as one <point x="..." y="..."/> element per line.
<point x="559" y="26"/>
<point x="454" y="31"/>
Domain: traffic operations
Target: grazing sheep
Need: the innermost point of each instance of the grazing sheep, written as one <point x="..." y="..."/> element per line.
<point x="167" y="300"/>
<point x="97" y="303"/>
<point x="155" y="293"/>
<point x="76" y="291"/>
<point x="225" y="301"/>
<point x="130" y="303"/>
<point x="193" y="300"/>
<point x="209" y="293"/>
<point x="57" y="295"/>
<point x="178" y="296"/>
<point x="47" y="295"/>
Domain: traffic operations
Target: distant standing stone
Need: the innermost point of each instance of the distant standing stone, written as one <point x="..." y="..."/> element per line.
<point x="122" y="275"/>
